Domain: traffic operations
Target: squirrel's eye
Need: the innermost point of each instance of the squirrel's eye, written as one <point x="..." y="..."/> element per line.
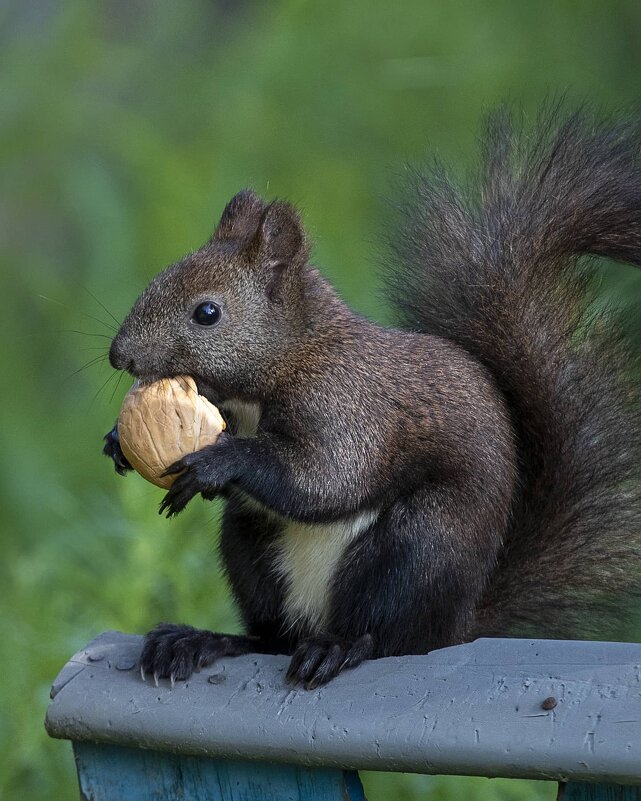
<point x="207" y="313"/>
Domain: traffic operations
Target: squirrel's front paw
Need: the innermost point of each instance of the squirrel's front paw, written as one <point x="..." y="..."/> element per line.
<point x="200" y="472"/>
<point x="175" y="651"/>
<point x="113" y="450"/>
<point x="319" y="659"/>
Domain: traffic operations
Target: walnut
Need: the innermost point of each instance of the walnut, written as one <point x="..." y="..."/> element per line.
<point x="160" y="423"/>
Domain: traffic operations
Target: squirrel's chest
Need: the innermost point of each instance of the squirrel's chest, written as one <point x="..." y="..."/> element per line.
<point x="306" y="559"/>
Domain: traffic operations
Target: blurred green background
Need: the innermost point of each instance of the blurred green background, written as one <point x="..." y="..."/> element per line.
<point x="125" y="127"/>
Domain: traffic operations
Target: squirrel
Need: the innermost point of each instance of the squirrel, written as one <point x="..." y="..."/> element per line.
<point x="470" y="472"/>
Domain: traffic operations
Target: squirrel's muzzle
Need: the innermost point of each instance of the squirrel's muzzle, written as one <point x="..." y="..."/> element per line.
<point x="119" y="359"/>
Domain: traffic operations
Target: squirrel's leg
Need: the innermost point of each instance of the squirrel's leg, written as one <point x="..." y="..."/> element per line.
<point x="247" y="555"/>
<point x="408" y="584"/>
<point x="296" y="481"/>
<point x="176" y="651"/>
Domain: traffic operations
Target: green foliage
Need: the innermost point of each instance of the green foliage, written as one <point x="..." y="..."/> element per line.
<point x="125" y="128"/>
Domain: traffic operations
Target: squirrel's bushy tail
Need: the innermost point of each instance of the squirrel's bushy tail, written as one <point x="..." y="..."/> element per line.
<point x="497" y="269"/>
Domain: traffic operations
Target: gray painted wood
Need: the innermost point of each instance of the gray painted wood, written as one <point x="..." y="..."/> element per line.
<point x="114" y="773"/>
<point x="474" y="709"/>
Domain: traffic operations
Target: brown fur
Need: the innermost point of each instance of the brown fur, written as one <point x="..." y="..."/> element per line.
<point x="473" y="474"/>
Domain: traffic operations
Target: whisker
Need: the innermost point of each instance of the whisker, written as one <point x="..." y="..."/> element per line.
<point x="51" y="300"/>
<point x="84" y="314"/>
<point x="102" y="306"/>
<point x="91" y="363"/>
<point x="122" y="372"/>
<point x="84" y="333"/>
<point x="102" y="322"/>
<point x="103" y="386"/>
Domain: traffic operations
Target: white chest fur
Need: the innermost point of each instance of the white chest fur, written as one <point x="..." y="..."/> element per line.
<point x="307" y="557"/>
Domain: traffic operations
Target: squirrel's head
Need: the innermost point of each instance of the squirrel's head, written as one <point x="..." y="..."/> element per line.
<point x="227" y="312"/>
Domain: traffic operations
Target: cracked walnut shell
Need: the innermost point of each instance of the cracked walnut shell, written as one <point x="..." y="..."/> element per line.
<point x="160" y="423"/>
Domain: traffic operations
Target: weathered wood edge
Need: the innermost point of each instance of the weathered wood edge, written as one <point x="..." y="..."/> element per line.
<point x="473" y="709"/>
<point x="117" y="773"/>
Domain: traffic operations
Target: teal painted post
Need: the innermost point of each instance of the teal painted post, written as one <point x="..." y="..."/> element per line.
<point x="581" y="791"/>
<point x="116" y="773"/>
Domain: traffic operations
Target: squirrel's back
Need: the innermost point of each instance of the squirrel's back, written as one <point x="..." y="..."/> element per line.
<point x="496" y="269"/>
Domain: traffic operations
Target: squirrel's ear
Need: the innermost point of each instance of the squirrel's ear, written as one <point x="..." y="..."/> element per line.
<point x="280" y="239"/>
<point x="278" y="246"/>
<point x="241" y="217"/>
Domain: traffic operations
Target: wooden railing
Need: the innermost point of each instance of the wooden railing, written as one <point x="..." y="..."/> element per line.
<point x="540" y="709"/>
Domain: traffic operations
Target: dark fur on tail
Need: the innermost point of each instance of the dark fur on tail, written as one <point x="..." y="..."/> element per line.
<point x="498" y="271"/>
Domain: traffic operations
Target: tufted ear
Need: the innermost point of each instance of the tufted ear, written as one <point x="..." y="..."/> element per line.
<point x="280" y="238"/>
<point x="278" y="247"/>
<point x="241" y="217"/>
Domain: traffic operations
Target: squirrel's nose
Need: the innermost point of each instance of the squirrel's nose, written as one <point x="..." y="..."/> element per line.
<point x="118" y="359"/>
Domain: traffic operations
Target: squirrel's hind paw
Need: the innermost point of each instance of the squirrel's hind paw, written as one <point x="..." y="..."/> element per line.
<point x="174" y="651"/>
<point x="318" y="660"/>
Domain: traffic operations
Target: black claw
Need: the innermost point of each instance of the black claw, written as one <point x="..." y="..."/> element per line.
<point x="175" y="500"/>
<point x="184" y="488"/>
<point x="317" y="661"/>
<point x="311" y="661"/>
<point x="329" y="667"/>
<point x="294" y="664"/>
<point x="176" y="651"/>
<point x="361" y="650"/>
<point x="193" y="477"/>
<point x="176" y="467"/>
